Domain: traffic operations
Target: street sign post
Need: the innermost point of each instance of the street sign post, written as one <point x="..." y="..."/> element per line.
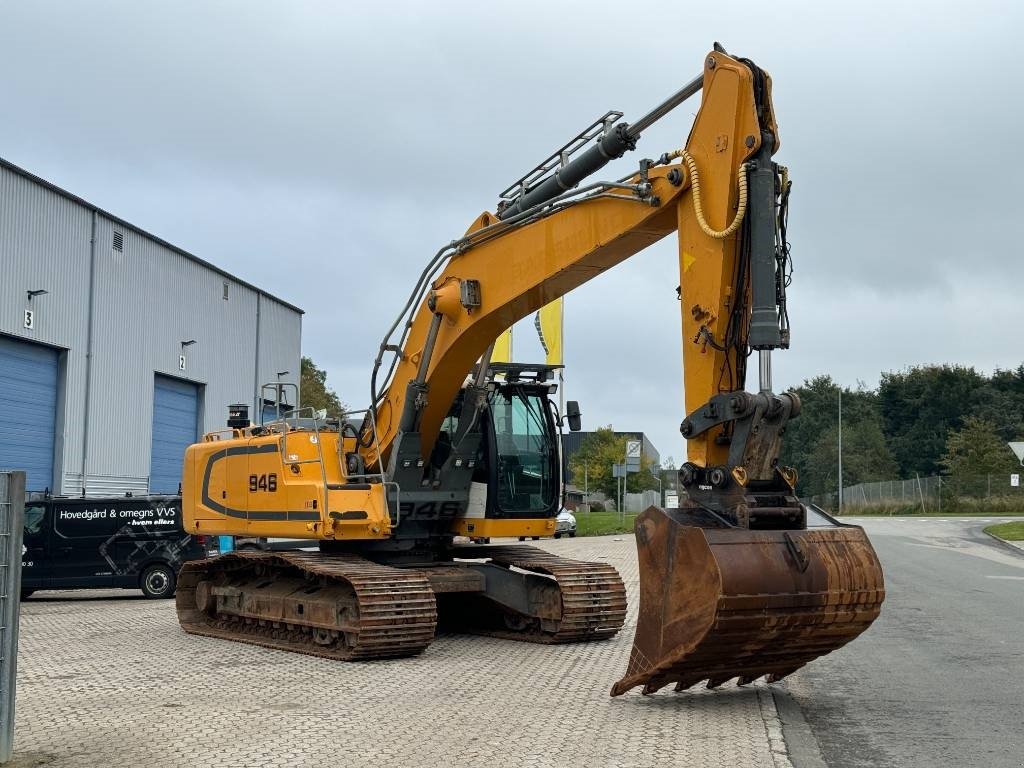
<point x="631" y="464"/>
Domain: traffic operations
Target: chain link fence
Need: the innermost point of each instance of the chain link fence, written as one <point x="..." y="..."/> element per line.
<point x="928" y="495"/>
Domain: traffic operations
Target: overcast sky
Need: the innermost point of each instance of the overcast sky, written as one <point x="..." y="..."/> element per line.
<point x="325" y="150"/>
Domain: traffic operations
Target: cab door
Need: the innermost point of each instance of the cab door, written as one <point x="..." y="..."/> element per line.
<point x="79" y="540"/>
<point x="35" y="558"/>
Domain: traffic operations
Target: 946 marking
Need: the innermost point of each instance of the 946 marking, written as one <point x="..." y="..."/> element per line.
<point x="263" y="483"/>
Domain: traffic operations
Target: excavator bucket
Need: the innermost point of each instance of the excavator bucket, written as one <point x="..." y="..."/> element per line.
<point x="724" y="603"/>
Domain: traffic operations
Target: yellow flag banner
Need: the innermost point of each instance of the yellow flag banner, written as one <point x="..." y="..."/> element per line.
<point x="503" y="348"/>
<point x="548" y="322"/>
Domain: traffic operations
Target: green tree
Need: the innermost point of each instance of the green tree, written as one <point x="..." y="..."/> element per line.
<point x="977" y="449"/>
<point x="920" y="407"/>
<point x="1001" y="401"/>
<point x="314" y="390"/>
<point x="866" y="457"/>
<point x="811" y="442"/>
<point x="598" y="452"/>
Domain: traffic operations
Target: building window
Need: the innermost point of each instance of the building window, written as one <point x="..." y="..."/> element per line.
<point x="225" y="291"/>
<point x="118" y="241"/>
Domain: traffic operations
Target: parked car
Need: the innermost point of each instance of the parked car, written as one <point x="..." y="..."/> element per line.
<point x="565" y="524"/>
<point x="134" y="542"/>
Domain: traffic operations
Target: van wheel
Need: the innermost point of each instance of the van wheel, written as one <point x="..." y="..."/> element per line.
<point x="158" y="581"/>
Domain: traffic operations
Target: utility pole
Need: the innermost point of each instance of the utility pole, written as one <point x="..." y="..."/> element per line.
<point x="840" y="450"/>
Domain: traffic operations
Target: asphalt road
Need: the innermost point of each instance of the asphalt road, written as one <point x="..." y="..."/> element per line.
<point x="938" y="680"/>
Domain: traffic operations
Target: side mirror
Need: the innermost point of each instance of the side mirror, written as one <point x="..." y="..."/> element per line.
<point x="572" y="415"/>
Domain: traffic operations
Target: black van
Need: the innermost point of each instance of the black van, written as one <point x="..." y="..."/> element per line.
<point x="135" y="542"/>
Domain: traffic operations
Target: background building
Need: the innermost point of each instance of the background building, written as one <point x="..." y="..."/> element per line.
<point x="572" y="441"/>
<point x="118" y="349"/>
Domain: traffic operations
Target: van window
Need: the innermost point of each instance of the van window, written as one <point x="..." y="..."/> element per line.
<point x="78" y="521"/>
<point x="34" y="514"/>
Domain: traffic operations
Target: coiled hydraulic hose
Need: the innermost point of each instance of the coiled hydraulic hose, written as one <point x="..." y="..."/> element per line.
<point x="698" y="206"/>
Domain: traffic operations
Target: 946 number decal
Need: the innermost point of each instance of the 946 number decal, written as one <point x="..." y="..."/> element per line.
<point x="263" y="483"/>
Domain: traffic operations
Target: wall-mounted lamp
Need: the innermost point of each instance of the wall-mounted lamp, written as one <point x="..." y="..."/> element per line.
<point x="40" y="292"/>
<point x="282" y="373"/>
<point x="188" y="343"/>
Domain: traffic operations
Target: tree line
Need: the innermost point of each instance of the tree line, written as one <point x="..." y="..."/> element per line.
<point x="927" y="420"/>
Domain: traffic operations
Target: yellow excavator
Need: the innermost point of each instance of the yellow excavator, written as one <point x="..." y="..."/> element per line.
<point x="735" y="583"/>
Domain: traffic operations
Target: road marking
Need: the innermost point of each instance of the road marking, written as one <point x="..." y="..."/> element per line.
<point x="1008" y="578"/>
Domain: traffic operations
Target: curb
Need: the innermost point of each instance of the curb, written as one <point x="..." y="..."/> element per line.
<point x="790" y="737"/>
<point x="1017" y="549"/>
<point x="773" y="728"/>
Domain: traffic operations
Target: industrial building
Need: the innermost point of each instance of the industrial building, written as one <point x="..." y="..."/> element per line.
<point x="573" y="441"/>
<point x="118" y="349"/>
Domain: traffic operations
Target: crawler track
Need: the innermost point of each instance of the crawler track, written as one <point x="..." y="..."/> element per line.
<point x="371" y="611"/>
<point x="345" y="607"/>
<point x="593" y="597"/>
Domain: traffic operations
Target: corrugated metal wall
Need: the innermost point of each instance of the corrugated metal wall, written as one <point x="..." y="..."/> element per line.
<point x="282" y="337"/>
<point x="147" y="299"/>
<point x="44" y="245"/>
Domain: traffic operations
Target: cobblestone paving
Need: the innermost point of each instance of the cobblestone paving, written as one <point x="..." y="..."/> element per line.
<point x="109" y="679"/>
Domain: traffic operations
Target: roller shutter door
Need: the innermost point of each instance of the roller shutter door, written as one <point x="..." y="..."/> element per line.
<point x="175" y="427"/>
<point x="28" y="404"/>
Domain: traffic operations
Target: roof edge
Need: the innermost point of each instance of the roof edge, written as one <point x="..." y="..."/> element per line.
<point x="139" y="230"/>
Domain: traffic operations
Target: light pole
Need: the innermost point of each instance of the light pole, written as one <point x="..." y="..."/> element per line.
<point x="661" y="495"/>
<point x="840" y="450"/>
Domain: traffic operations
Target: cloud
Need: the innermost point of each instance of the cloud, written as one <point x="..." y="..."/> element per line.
<point x="325" y="151"/>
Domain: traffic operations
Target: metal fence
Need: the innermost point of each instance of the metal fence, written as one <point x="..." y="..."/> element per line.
<point x="12" y="515"/>
<point x="925" y="494"/>
<point x="638" y="502"/>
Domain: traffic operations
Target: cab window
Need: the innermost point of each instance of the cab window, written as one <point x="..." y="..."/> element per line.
<point x="527" y="469"/>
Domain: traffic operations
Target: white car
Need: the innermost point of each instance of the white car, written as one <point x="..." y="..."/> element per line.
<point x="565" y="523"/>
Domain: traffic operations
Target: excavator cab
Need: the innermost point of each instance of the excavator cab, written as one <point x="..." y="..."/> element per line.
<point x="521" y="452"/>
<point x="518" y="478"/>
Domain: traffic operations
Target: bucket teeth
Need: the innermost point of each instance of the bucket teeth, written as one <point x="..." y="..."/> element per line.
<point x="718" y="603"/>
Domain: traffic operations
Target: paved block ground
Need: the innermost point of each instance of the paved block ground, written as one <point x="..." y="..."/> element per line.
<point x="108" y="679"/>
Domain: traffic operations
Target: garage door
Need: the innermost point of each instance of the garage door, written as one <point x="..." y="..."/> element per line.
<point x="28" y="407"/>
<point x="175" y="427"/>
